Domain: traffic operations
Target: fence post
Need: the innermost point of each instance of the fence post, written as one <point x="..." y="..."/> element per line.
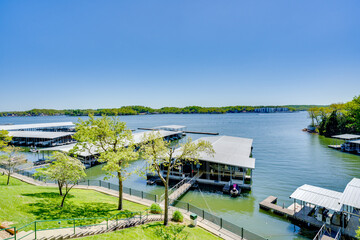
<point x="203" y="213"/>
<point x="242" y="233"/>
<point x="35" y="228"/>
<point x="130" y="191"/>
<point x="188" y="207"/>
<point x="15" y="233"/>
<point x="142" y="194"/>
<point x="108" y="185"/>
<point x="221" y="223"/>
<point x="88" y="182"/>
<point x="155" y="198"/>
<point x="74" y="225"/>
<point x="99" y="183"/>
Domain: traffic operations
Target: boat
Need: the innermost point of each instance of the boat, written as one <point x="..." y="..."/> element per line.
<point x="235" y="190"/>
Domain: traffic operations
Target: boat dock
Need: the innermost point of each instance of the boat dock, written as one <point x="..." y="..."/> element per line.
<point x="334" y="213"/>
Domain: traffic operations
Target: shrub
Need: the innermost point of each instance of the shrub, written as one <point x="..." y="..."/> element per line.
<point x="155" y="208"/>
<point x="177" y="216"/>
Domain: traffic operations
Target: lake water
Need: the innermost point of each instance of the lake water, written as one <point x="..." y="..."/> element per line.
<point x="286" y="158"/>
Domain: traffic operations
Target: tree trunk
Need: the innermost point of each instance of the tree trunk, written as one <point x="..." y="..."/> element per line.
<point x="120" y="207"/>
<point x="166" y="212"/>
<point x="63" y="200"/>
<point x="60" y="188"/>
<point x="8" y="180"/>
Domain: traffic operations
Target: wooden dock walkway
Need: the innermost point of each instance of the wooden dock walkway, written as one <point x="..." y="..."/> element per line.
<point x="270" y="204"/>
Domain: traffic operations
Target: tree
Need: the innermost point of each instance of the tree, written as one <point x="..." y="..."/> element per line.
<point x="332" y="125"/>
<point x="358" y="233"/>
<point x="64" y="169"/>
<point x="353" y="114"/>
<point x="4" y="138"/>
<point x="114" y="143"/>
<point x="160" y="153"/>
<point x="11" y="159"/>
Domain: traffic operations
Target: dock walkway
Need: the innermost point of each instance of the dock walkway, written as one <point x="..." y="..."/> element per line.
<point x="181" y="188"/>
<point x="270" y="204"/>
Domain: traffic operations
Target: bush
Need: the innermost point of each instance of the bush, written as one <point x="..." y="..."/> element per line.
<point x="155" y="208"/>
<point x="177" y="216"/>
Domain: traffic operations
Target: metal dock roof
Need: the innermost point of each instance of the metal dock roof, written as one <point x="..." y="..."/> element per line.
<point x="39" y="134"/>
<point x="318" y="196"/>
<point x="347" y="136"/>
<point x="36" y="125"/>
<point x="351" y="194"/>
<point x="233" y="151"/>
<point x="138" y="137"/>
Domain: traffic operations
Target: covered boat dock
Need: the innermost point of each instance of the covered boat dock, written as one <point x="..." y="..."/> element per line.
<point x="346" y="143"/>
<point x="40" y="138"/>
<point x="339" y="212"/>
<point x="231" y="164"/>
<point x="47" y="127"/>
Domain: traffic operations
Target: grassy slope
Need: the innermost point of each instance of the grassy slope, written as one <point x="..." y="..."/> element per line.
<point x="22" y="203"/>
<point x="148" y="232"/>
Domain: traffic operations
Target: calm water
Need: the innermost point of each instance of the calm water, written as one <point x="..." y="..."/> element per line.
<point x="285" y="156"/>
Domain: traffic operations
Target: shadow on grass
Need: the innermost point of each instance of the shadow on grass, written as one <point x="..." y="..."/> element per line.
<point x="48" y="209"/>
<point x="46" y="195"/>
<point x="152" y="225"/>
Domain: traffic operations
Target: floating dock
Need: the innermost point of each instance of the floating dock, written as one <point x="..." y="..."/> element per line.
<point x="334" y="213"/>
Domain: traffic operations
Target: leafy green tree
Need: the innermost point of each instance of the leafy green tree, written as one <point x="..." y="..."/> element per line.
<point x="114" y="143"/>
<point x="358" y="233"/>
<point x="353" y="114"/>
<point x="4" y="138"/>
<point x="11" y="159"/>
<point x="65" y="170"/>
<point x="332" y="125"/>
<point x="160" y="153"/>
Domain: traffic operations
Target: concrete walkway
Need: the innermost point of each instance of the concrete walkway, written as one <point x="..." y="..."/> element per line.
<point x="209" y="226"/>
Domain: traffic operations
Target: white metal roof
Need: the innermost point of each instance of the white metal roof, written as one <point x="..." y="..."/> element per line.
<point x="351" y="194"/>
<point x="36" y="125"/>
<point x="347" y="136"/>
<point x="138" y="137"/>
<point x="233" y="151"/>
<point x="39" y="134"/>
<point x="355" y="141"/>
<point x="318" y="196"/>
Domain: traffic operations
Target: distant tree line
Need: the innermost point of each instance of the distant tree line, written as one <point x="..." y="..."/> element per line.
<point x="137" y="110"/>
<point x="338" y="118"/>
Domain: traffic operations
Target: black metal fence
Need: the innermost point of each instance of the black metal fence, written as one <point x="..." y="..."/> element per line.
<point x="222" y="223"/>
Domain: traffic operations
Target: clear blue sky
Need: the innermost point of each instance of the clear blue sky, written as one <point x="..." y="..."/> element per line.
<point x="94" y="54"/>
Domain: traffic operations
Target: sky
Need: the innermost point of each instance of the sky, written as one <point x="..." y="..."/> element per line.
<point x="103" y="54"/>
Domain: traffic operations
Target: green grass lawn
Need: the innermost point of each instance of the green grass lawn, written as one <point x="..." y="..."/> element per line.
<point x="22" y="203"/>
<point x="148" y="231"/>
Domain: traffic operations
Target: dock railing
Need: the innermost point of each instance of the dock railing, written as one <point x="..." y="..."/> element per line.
<point x="204" y="214"/>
